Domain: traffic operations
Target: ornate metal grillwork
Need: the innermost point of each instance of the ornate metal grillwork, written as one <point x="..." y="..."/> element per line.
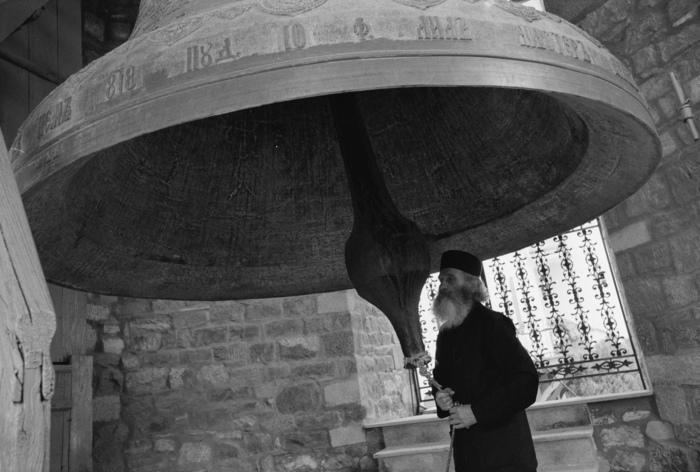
<point x="563" y="300"/>
<point x="427" y="320"/>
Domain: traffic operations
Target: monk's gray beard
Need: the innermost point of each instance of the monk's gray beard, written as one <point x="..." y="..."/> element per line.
<point x="451" y="309"/>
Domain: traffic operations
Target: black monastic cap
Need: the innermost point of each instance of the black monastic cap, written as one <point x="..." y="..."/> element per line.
<point x="461" y="260"/>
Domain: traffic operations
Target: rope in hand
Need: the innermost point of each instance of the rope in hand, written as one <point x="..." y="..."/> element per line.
<point x="421" y="360"/>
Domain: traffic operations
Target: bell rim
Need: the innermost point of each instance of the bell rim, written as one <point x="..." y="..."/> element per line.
<point x="35" y="164"/>
<point x="486" y="231"/>
<point x="346" y="68"/>
<point x="500" y="31"/>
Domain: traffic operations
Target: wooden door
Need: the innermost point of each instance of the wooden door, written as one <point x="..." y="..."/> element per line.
<point x="71" y="417"/>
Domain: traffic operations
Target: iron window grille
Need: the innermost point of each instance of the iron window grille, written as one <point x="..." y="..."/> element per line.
<point x="563" y="298"/>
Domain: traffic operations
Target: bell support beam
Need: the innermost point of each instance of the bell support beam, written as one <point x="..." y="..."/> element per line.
<point x="386" y="255"/>
<point x="27" y="324"/>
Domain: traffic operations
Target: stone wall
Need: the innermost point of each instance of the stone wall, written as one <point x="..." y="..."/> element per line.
<point x="656" y="232"/>
<point x="631" y="437"/>
<point x="258" y="385"/>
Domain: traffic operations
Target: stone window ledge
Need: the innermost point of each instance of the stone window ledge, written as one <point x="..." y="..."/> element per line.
<point x="432" y="417"/>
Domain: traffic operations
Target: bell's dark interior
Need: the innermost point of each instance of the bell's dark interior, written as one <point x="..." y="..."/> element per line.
<point x="255" y="203"/>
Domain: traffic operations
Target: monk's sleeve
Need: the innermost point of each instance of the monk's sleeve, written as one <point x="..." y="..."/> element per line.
<point x="440" y="412"/>
<point x="439" y="373"/>
<point x="516" y="388"/>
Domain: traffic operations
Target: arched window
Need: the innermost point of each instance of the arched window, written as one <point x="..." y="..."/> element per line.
<point x="564" y="300"/>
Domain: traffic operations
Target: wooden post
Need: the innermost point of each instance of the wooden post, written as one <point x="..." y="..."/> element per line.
<point x="27" y="323"/>
<point x="71" y="417"/>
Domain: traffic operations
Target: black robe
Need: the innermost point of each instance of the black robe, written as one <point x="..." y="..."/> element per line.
<point x="487" y="367"/>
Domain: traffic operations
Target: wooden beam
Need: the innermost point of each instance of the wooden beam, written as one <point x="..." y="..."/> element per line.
<point x="30" y="67"/>
<point x="43" y="52"/>
<point x="15" y="12"/>
<point x="14" y="93"/>
<point x="27" y="323"/>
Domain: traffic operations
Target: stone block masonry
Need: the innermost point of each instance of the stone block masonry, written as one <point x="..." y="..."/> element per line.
<point x="630" y="436"/>
<point x="255" y="385"/>
<point x="656" y="232"/>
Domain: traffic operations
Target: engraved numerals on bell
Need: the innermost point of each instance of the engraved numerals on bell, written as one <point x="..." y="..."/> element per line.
<point x="119" y="81"/>
<point x="203" y="56"/>
<point x="450" y="28"/>
<point x="293" y="36"/>
<point x="199" y="57"/>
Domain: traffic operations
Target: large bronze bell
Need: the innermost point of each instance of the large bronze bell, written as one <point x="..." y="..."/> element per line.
<point x="206" y="157"/>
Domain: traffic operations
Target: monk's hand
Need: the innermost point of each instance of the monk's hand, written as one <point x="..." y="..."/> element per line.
<point x="462" y="416"/>
<point x="443" y="399"/>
